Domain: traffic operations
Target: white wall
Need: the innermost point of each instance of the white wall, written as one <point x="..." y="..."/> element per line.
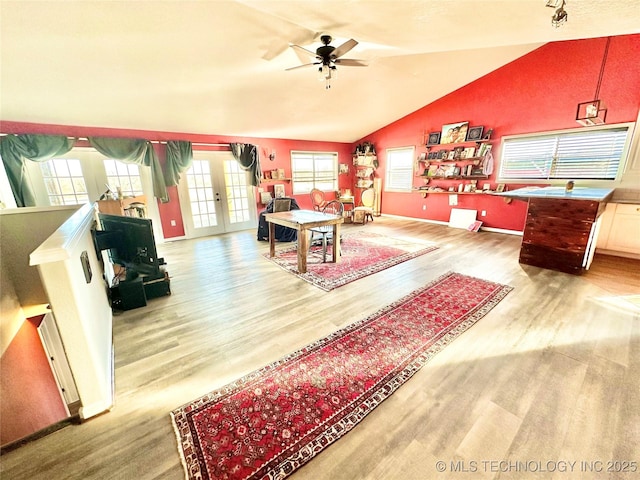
<point x="81" y="309"/>
<point x="22" y="295"/>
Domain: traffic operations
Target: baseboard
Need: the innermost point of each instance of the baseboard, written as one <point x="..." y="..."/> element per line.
<point x="74" y="420"/>
<point x="615" y="253"/>
<point x="441" y="222"/>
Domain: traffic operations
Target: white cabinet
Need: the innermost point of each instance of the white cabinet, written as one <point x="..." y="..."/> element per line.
<point x="620" y="229"/>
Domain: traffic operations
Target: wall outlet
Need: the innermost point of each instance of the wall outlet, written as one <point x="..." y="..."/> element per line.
<point x="483" y="213"/>
<point x="424" y="207"/>
<point x="173" y="223"/>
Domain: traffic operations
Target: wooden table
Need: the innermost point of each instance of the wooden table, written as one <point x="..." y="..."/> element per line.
<point x="303" y="220"/>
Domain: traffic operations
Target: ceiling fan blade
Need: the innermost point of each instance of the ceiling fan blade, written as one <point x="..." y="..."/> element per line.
<point x="303" y="54"/>
<point x="344" y="48"/>
<point x="350" y="62"/>
<point x="300" y="66"/>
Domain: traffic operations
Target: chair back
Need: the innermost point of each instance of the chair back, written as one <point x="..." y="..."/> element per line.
<point x="317" y="199"/>
<point x="281" y="205"/>
<point x="368" y="197"/>
<point x="334" y="207"/>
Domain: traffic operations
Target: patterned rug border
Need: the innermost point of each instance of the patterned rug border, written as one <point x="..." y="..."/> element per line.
<point x="328" y="285"/>
<point x="386" y="389"/>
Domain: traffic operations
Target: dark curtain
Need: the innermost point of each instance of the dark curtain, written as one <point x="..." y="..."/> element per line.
<point x="133" y="150"/>
<point x="179" y="158"/>
<point x="248" y="158"/>
<point x="14" y="149"/>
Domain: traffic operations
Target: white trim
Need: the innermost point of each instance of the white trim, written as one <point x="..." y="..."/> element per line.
<point x="446" y="224"/>
<point x="59" y="245"/>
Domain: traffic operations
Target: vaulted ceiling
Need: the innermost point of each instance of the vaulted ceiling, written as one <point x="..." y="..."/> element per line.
<point x="218" y="66"/>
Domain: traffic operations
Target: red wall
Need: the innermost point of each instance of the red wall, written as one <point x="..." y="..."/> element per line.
<point x="30" y="397"/>
<point x="537" y="92"/>
<point x="171" y="210"/>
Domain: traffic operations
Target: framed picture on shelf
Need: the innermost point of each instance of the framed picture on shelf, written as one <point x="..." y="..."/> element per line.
<point x="454" y="133"/>
<point x="469" y="152"/>
<point x="474" y="133"/>
<point x="451" y="155"/>
<point x="267" y="174"/>
<point x="434" y="138"/>
<point x="457" y="153"/>
<point x="281" y="174"/>
<point x="278" y="190"/>
<point x="423" y="156"/>
<point x="500" y="187"/>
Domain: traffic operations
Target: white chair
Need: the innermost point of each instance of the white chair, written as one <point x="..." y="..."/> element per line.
<point x="334" y="207"/>
<point x="364" y="211"/>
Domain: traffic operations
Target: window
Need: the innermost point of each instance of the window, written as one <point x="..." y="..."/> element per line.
<point x="64" y="181"/>
<point x="123" y="175"/>
<point x="399" y="173"/>
<point x="594" y="154"/>
<point x="314" y="170"/>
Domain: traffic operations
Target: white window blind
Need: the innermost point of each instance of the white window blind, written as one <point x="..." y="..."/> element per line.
<point x="399" y="172"/>
<point x="314" y="170"/>
<point x="593" y="154"/>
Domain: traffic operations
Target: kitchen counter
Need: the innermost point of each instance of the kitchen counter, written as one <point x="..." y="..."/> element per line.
<point x="578" y="193"/>
<point x="561" y="227"/>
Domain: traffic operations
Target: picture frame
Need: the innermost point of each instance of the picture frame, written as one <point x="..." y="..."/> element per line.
<point x="475" y="133"/>
<point x="500" y="188"/>
<point x="469" y="152"/>
<point x="281" y="174"/>
<point x="344" y="168"/>
<point x="451" y="155"/>
<point x="267" y="174"/>
<point x="423" y="156"/>
<point x="278" y="190"/>
<point x="457" y="153"/>
<point x="454" y="133"/>
<point x="434" y="138"/>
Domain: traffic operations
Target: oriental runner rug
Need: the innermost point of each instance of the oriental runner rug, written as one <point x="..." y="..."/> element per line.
<point x="362" y="254"/>
<point x="272" y="421"/>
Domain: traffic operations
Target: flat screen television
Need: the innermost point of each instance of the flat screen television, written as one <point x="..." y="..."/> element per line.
<point x="130" y="242"/>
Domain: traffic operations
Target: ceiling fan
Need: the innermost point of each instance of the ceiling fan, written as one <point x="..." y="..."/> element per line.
<point x="327" y="57"/>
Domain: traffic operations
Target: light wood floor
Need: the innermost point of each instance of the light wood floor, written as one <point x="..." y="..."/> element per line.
<point x="551" y="374"/>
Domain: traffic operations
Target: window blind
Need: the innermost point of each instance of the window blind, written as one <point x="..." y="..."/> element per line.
<point x="399" y="174"/>
<point x="593" y="154"/>
<point x="314" y="170"/>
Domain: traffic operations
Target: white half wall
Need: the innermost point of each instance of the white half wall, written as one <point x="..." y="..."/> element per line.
<point x="80" y="307"/>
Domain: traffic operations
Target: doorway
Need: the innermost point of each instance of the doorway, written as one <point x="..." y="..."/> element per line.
<point x="216" y="196"/>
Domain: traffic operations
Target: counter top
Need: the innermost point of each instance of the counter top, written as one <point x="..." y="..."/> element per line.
<point x="578" y="193"/>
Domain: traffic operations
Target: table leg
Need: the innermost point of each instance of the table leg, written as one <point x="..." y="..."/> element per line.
<point x="336" y="243"/>
<point x="272" y="239"/>
<point x="303" y="246"/>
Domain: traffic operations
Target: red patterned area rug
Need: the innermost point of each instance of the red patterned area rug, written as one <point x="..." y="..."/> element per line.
<point x="274" y="420"/>
<point x="362" y="254"/>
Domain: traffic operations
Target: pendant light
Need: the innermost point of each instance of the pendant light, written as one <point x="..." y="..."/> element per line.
<point x="594" y="112"/>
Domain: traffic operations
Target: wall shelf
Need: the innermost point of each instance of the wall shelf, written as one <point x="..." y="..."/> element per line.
<point x="271" y="180"/>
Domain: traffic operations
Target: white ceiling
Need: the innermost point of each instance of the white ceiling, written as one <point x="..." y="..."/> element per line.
<point x="218" y="66"/>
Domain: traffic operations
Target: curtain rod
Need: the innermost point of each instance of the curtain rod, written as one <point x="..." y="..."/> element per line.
<point x="199" y="144"/>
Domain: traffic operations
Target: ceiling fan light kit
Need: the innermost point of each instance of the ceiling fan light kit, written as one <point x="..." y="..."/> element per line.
<point x="327" y="57"/>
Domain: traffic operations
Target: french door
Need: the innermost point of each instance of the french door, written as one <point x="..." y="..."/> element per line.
<point x="216" y="196"/>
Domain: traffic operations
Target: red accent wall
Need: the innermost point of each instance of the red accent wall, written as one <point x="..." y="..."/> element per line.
<point x="30" y="397"/>
<point x="171" y="210"/>
<point x="537" y="92"/>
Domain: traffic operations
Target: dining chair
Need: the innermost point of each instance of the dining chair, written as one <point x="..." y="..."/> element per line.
<point x="317" y="199"/>
<point x="367" y="199"/>
<point x="334" y="207"/>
